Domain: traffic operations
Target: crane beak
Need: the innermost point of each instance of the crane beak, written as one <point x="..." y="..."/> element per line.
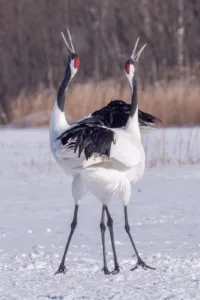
<point x="135" y="56"/>
<point x="70" y="46"/>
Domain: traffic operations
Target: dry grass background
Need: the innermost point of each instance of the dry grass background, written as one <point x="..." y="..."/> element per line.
<point x="33" y="57"/>
<point x="176" y="103"/>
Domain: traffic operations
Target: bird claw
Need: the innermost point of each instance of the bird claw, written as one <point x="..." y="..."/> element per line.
<point x="141" y="263"/>
<point x="106" y="271"/>
<point x="61" y="269"/>
<point x="115" y="271"/>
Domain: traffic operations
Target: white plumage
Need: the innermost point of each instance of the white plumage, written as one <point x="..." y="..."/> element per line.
<point x="103" y="160"/>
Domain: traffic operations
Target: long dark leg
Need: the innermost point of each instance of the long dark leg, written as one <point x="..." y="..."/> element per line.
<point x="103" y="229"/>
<point x="110" y="226"/>
<point x="62" y="268"/>
<point x="140" y="262"/>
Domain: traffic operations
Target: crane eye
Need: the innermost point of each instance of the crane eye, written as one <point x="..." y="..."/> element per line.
<point x="76" y="62"/>
<point x="127" y="68"/>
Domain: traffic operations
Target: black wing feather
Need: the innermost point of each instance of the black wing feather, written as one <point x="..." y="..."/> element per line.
<point x="91" y="136"/>
<point x="116" y="114"/>
<point x="88" y="138"/>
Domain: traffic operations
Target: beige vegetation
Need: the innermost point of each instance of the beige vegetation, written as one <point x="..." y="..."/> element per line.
<point x="177" y="103"/>
<point x="32" y="56"/>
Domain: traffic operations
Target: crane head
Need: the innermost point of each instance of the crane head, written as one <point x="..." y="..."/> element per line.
<point x="130" y="63"/>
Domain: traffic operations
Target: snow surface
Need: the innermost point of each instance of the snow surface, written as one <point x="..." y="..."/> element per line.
<point x="35" y="214"/>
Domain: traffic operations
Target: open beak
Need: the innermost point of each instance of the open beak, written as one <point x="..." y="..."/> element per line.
<point x="69" y="44"/>
<point x="135" y="55"/>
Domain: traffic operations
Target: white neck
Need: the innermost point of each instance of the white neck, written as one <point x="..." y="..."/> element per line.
<point x="132" y="125"/>
<point x="58" y="122"/>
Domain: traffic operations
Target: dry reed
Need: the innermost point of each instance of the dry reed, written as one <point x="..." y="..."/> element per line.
<point x="176" y="104"/>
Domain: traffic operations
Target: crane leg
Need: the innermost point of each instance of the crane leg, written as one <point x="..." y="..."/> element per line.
<point x="140" y="262"/>
<point x="110" y="226"/>
<point x="103" y="229"/>
<point x="62" y="268"/>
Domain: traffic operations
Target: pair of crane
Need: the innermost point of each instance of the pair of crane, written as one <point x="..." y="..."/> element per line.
<point x="103" y="151"/>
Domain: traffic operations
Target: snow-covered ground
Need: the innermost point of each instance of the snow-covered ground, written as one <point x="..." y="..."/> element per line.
<point x="36" y="208"/>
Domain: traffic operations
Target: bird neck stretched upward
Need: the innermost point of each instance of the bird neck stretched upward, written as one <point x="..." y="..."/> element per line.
<point x="132" y="125"/>
<point x="134" y="101"/>
<point x="58" y="119"/>
<point x="63" y="87"/>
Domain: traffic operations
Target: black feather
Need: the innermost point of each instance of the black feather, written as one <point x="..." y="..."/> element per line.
<point x="88" y="139"/>
<point x="117" y="112"/>
<point x="114" y="115"/>
<point x="90" y="135"/>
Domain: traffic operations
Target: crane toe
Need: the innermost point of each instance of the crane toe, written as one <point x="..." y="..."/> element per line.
<point x="61" y="269"/>
<point x="116" y="270"/>
<point x="141" y="263"/>
<point x="106" y="271"/>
